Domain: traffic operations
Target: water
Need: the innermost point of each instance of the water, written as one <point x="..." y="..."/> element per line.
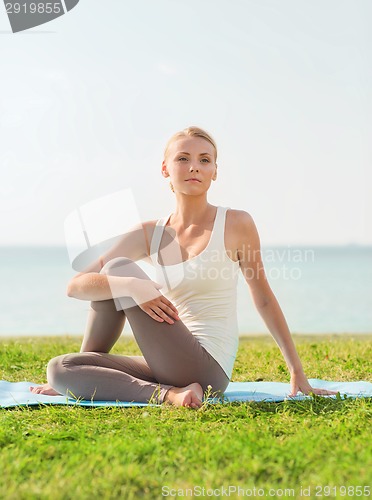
<point x="320" y="290"/>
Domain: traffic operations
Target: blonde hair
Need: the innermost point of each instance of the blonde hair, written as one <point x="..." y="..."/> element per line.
<point x="191" y="132"/>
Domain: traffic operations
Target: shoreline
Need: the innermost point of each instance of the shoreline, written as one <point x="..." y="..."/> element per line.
<point x="126" y="336"/>
<point x="309" y="337"/>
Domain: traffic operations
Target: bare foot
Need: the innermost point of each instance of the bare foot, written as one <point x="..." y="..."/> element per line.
<point x="44" y="389"/>
<point x="190" y="396"/>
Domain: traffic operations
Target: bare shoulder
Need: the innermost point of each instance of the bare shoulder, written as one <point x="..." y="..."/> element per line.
<point x="239" y="231"/>
<point x="238" y="222"/>
<point x="148" y="226"/>
<point x="148" y="229"/>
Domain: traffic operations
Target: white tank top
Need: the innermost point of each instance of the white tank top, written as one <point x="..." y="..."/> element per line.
<point x="203" y="289"/>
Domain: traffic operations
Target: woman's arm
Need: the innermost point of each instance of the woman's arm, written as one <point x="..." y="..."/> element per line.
<point x="95" y="286"/>
<point x="250" y="261"/>
<point x="91" y="285"/>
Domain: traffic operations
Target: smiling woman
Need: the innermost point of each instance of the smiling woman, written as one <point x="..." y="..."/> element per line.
<point x="188" y="331"/>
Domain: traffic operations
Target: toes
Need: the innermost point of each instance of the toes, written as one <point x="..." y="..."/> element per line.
<point x="37" y="390"/>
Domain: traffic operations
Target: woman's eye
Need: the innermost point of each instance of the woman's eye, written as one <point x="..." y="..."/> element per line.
<point x="205" y="160"/>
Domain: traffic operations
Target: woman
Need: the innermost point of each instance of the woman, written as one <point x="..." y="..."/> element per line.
<point x="188" y="334"/>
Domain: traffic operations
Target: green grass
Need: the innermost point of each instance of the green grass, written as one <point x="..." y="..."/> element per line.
<point x="64" y="452"/>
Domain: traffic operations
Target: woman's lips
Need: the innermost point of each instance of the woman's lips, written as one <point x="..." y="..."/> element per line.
<point x="192" y="180"/>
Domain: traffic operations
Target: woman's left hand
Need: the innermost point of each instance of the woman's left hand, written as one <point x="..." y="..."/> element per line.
<point x="299" y="382"/>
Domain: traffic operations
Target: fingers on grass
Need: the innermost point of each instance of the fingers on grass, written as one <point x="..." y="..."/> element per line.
<point x="324" y="391"/>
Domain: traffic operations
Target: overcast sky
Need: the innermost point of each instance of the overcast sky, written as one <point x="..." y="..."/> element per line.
<point x="88" y="101"/>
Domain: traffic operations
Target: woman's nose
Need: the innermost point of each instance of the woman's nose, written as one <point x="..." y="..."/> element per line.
<point x="192" y="168"/>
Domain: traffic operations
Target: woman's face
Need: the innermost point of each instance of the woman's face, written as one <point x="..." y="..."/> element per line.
<point x="191" y="165"/>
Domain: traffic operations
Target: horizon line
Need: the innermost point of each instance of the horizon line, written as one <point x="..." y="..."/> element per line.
<point x="263" y="245"/>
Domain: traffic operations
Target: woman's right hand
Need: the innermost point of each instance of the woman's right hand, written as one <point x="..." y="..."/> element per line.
<point x="147" y="296"/>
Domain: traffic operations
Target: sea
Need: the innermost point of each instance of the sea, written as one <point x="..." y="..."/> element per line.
<point x="320" y="289"/>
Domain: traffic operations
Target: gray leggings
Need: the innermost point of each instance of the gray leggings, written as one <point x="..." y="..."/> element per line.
<point x="172" y="356"/>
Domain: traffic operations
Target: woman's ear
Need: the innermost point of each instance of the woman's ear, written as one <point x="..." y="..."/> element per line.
<point x="164" y="170"/>
<point x="215" y="174"/>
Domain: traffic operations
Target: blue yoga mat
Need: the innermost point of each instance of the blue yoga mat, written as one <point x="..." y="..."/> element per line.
<point x="18" y="394"/>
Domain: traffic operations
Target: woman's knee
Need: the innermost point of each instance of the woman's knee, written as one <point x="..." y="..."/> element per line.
<point x="122" y="266"/>
<point x="115" y="263"/>
<point x="57" y="371"/>
<point x="215" y="386"/>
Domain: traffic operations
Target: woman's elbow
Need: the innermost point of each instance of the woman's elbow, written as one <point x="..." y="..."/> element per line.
<point x="262" y="296"/>
<point x="70" y="289"/>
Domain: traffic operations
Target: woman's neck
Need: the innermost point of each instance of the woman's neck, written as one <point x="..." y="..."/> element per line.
<point x="192" y="211"/>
